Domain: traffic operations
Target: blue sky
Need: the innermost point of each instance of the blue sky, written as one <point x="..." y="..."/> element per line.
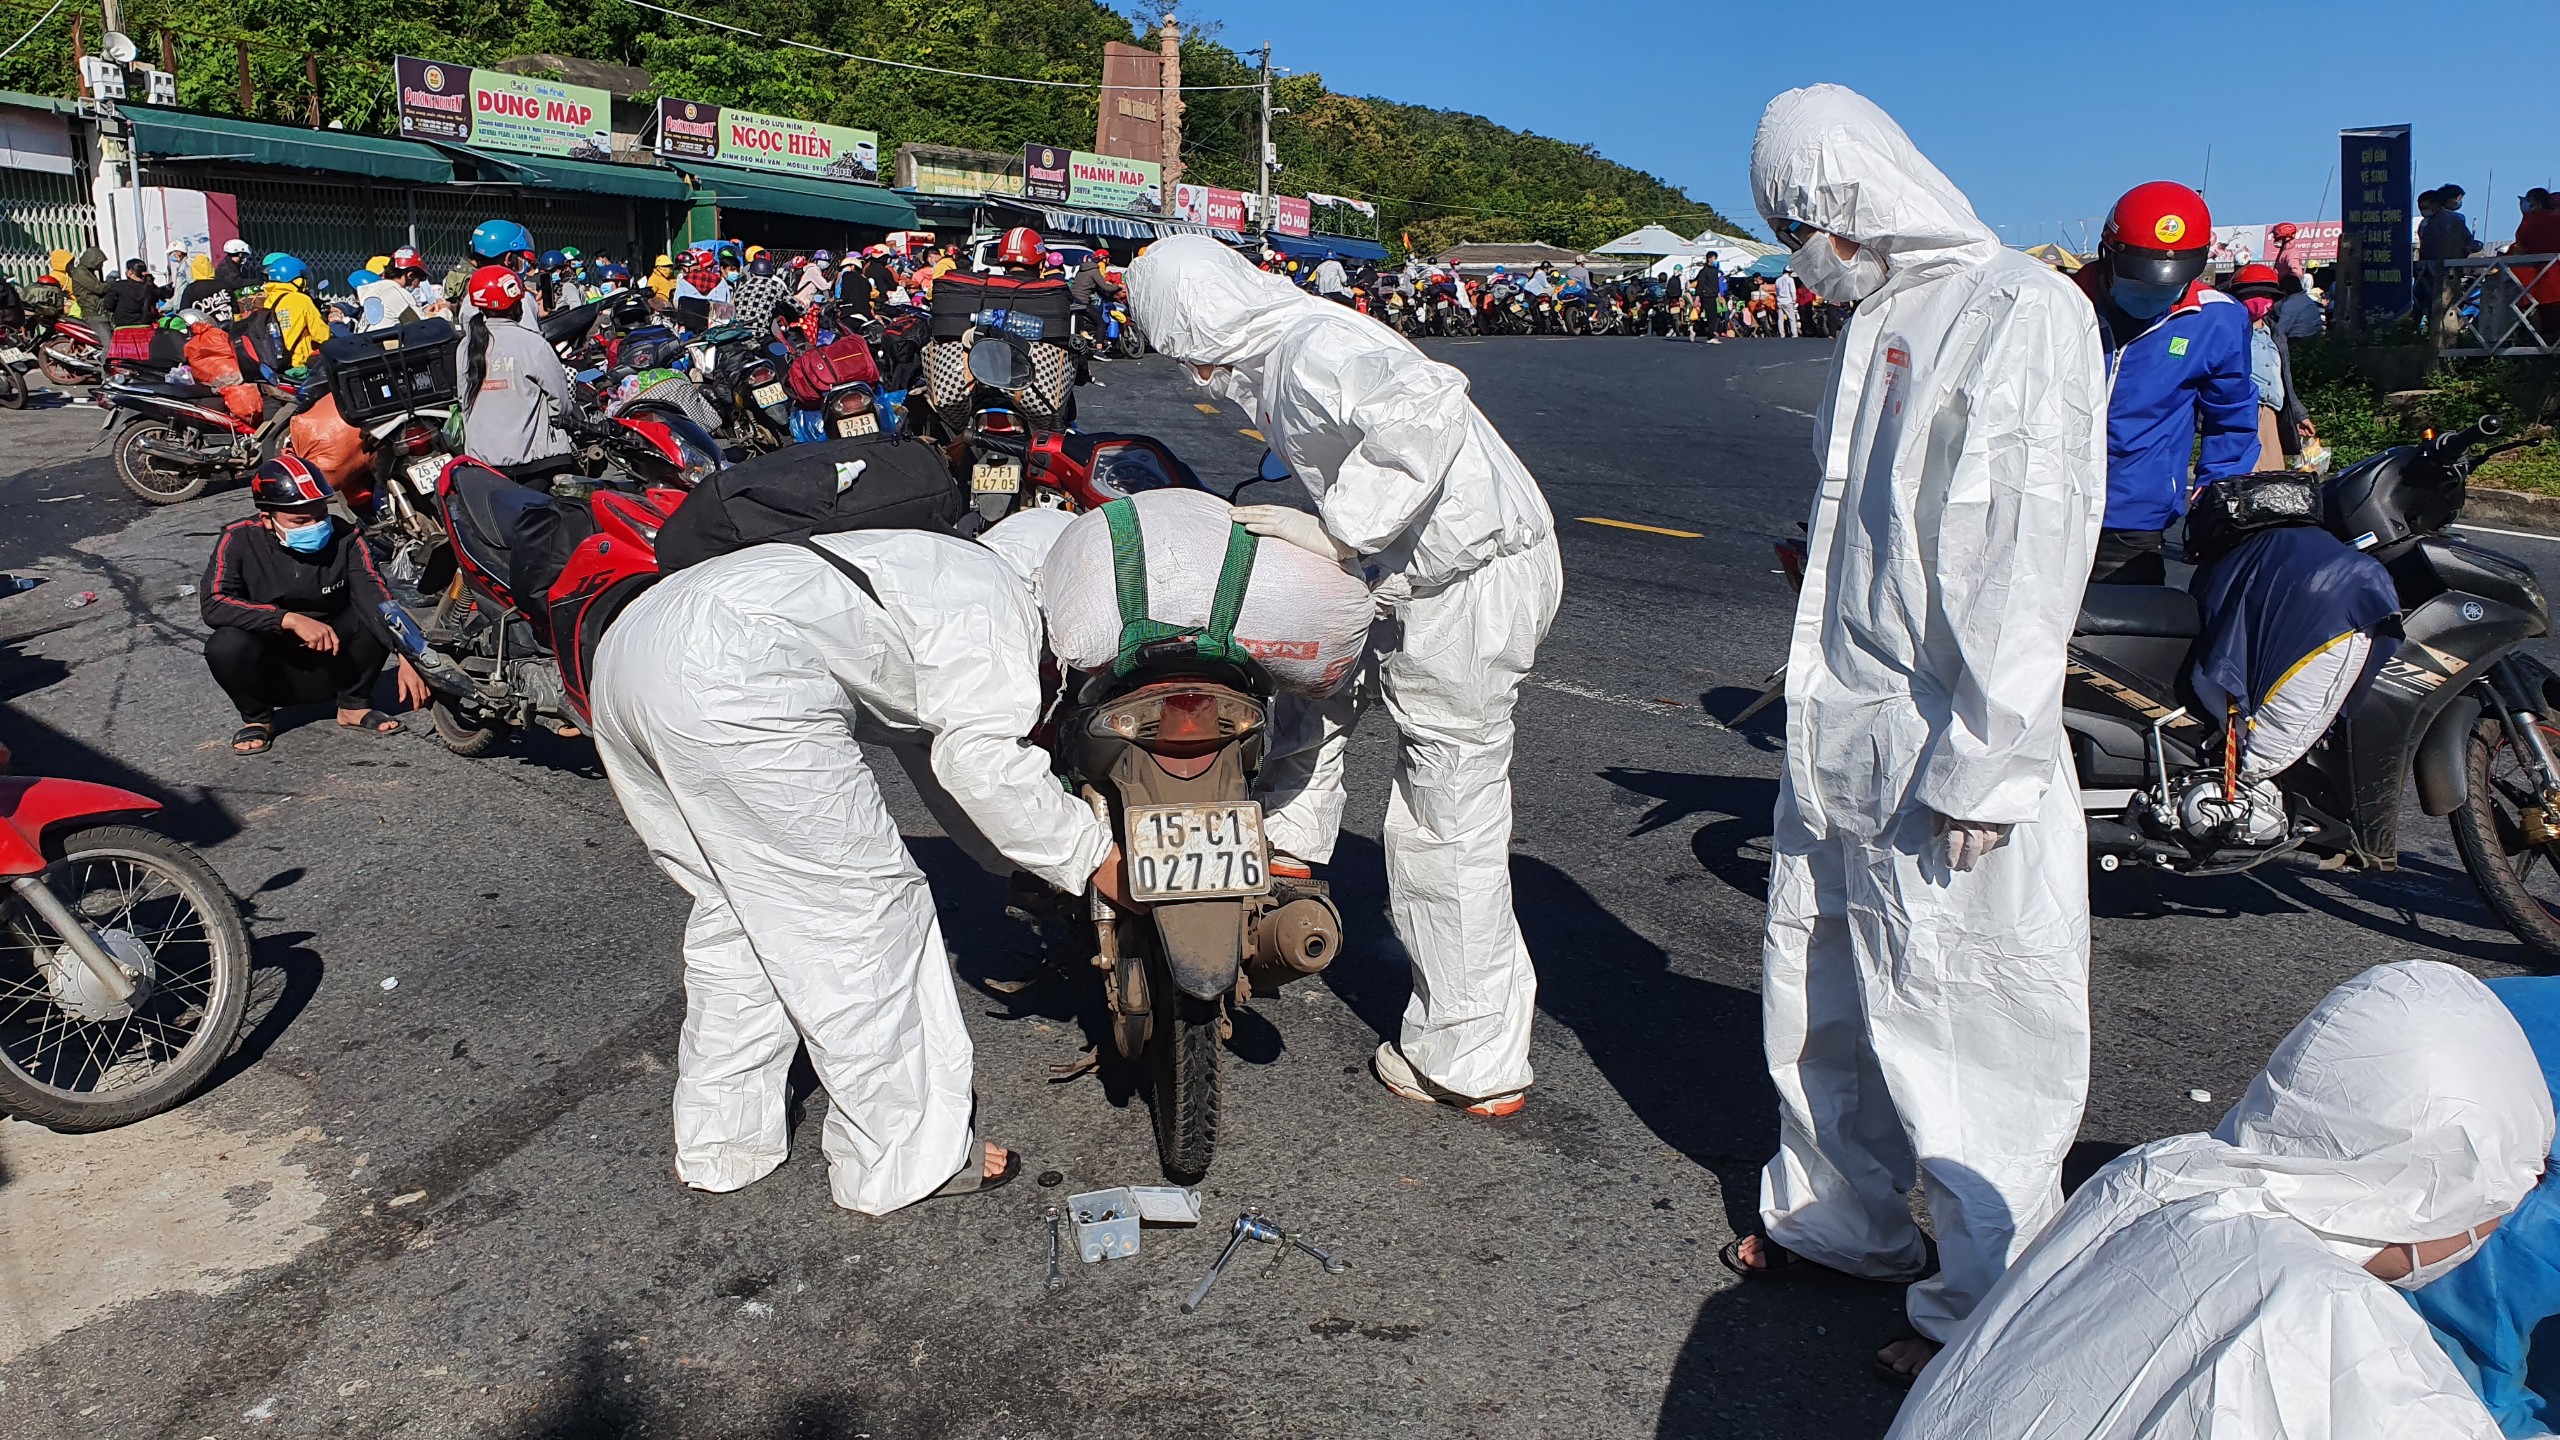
<point x="2036" y="110"/>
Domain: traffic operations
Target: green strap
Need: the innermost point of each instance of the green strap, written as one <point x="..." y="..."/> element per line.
<point x="1217" y="639"/>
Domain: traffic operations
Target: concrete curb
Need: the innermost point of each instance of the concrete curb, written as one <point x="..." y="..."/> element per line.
<point x="2514" y="509"/>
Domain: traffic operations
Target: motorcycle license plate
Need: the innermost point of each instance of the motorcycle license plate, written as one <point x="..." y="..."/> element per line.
<point x="848" y="426"/>
<point x="12" y="355"/>
<point x="423" y="473"/>
<point x="1004" y="478"/>
<point x="1196" y="852"/>
<point x="768" y="396"/>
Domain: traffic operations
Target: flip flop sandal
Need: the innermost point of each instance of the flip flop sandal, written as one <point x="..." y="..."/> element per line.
<point x="375" y="722"/>
<point x="1776" y="1260"/>
<point x="976" y="1181"/>
<point x="254" y="738"/>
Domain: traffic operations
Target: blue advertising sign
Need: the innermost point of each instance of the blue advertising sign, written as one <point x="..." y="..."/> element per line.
<point x="2373" y="247"/>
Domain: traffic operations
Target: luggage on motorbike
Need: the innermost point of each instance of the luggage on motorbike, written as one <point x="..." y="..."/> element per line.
<point x="209" y="355"/>
<point x="845" y="361"/>
<point x="247" y="403"/>
<point x="130" y="344"/>
<point x="1302" y="618"/>
<point x="44" y="300"/>
<point x="323" y="438"/>
<point x="168" y="347"/>
<point x="1031" y="309"/>
<point x="388" y="371"/>
<point x="2233" y="508"/>
<point x="899" y="351"/>
<point x="870" y="482"/>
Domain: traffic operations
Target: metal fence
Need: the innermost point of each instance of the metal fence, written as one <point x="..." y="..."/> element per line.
<point x="2494" y="311"/>
<point x="40" y="213"/>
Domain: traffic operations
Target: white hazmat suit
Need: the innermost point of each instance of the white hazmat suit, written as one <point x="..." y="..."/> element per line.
<point x="1920" y="1017"/>
<point x="727" y="704"/>
<point x="2209" y="1287"/>
<point x="1406" y="472"/>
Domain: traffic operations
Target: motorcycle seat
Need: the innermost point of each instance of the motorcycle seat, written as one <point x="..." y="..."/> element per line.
<point x="167" y="388"/>
<point x="2159" y="610"/>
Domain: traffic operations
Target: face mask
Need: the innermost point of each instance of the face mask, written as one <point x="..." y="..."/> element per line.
<point x="2259" y="306"/>
<point x="1854" y="279"/>
<point x="2421" y="1276"/>
<point x="2141" y="299"/>
<point x="307" y="539"/>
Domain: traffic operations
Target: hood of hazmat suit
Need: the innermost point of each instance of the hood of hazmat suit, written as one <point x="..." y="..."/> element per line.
<point x="1400" y="462"/>
<point x="1024" y="538"/>
<point x="1961" y="479"/>
<point x="2202" y="1286"/>
<point x="728" y="701"/>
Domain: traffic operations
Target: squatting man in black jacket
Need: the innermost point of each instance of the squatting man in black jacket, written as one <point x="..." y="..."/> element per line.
<point x="294" y="601"/>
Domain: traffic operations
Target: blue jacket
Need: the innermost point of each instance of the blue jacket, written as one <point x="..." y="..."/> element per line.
<point x="2189" y="366"/>
<point x="2485" y="1312"/>
<point x="2278" y="598"/>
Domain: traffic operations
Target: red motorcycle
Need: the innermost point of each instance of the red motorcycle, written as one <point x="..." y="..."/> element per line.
<point x="124" y="965"/>
<point x="1013" y="468"/>
<point x="528" y="582"/>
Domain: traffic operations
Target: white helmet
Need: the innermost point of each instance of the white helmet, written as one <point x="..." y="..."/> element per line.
<point x="235" y="246"/>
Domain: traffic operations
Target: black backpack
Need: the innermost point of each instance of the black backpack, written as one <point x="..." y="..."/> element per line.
<point x="869" y="482"/>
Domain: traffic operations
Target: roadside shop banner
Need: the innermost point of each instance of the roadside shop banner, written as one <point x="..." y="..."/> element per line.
<point x="1044" y="174"/>
<point x="2313" y="242"/>
<point x="497" y="110"/>
<point x="1107" y="182"/>
<point x="1210" y="206"/>
<point x="695" y="130"/>
<point x="1291" y="215"/>
<point x="2374" y="248"/>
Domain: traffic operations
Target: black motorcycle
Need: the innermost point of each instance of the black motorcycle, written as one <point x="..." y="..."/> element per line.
<point x="2458" y="704"/>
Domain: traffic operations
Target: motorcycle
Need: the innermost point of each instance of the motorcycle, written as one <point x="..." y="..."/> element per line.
<point x="522" y="576"/>
<point x="745" y="382"/>
<point x="2459" y="707"/>
<point x="175" y="439"/>
<point x="1166" y="755"/>
<point x="123" y="959"/>
<point x="1011" y="468"/>
<point x="69" y="351"/>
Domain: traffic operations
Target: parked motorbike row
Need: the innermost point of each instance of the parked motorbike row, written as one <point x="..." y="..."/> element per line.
<point x="1632" y="306"/>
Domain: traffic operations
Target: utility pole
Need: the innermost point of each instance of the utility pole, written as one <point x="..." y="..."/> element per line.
<point x="1169" y="105"/>
<point x="1262" y="163"/>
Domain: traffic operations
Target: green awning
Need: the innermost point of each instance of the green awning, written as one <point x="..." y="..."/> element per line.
<point x="854" y="204"/>
<point x="550" y="172"/>
<point x="215" y="137"/>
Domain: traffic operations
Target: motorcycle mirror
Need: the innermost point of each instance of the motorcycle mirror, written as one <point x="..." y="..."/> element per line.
<point x="992" y="364"/>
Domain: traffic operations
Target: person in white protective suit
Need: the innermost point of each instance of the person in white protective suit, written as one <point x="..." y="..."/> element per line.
<point x="2239" y="1285"/>
<point x="728" y="701"/>
<point x="1413" y="488"/>
<point x="1925" y="972"/>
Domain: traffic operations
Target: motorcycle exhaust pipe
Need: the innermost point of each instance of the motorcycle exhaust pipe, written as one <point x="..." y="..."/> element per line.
<point x="1301" y="937"/>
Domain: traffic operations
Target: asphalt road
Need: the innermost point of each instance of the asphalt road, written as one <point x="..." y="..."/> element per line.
<point x="446" y="1207"/>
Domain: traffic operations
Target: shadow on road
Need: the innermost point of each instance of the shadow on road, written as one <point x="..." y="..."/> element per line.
<point x="607" y="1398"/>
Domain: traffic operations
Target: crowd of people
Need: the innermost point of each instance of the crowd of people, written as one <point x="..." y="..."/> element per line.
<point x="1998" y="438"/>
<point x="1697" y="300"/>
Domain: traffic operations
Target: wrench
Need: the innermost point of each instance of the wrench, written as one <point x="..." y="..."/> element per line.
<point x="1332" y="1266"/>
<point x="1249" y="1226"/>
<point x="1057" y="1278"/>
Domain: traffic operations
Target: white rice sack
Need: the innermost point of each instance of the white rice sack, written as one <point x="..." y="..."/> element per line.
<point x="1303" y="618"/>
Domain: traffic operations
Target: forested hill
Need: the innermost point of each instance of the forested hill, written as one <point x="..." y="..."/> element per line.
<point x="1439" y="175"/>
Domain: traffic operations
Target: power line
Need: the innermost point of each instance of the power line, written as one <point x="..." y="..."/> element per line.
<point x="31" y="31"/>
<point x="911" y="65"/>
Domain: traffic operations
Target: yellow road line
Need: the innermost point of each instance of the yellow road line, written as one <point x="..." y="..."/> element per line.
<point x="1631" y="525"/>
<point x="1204" y="409"/>
<point x="1251" y="435"/>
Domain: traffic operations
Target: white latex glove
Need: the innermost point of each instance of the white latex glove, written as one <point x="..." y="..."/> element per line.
<point x="1390" y="591"/>
<point x="1280" y="522"/>
<point x="1969" y="840"/>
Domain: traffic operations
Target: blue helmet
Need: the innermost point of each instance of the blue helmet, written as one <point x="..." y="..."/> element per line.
<point x="361" y="279"/>
<point x="285" y="269"/>
<point x="554" y="260"/>
<point x="497" y="239"/>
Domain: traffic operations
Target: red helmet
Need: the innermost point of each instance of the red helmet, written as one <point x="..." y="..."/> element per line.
<point x="2259" y="279"/>
<point x="288" y="482"/>
<point x="2159" y="233"/>
<point x="1021" y="246"/>
<point x="496" y="288"/>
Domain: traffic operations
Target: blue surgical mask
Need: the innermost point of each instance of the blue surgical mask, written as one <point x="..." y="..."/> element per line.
<point x="2141" y="299"/>
<point x="308" y="539"/>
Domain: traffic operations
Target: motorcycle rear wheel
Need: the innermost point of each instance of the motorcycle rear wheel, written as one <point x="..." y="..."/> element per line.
<point x="2488" y="832"/>
<point x="13" y="389"/>
<point x="1132" y="344"/>
<point x="1182" y="1065"/>
<point x="148" y="896"/>
<point x="152" y="480"/>
<point x="469" y="737"/>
